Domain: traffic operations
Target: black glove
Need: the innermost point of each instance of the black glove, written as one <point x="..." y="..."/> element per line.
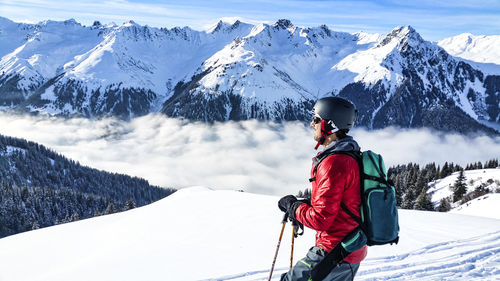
<point x="285" y="203"/>
<point x="289" y="204"/>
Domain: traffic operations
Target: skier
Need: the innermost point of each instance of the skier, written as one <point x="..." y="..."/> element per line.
<point x="335" y="180"/>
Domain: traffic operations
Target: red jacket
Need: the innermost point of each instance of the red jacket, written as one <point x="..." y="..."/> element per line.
<point x="337" y="180"/>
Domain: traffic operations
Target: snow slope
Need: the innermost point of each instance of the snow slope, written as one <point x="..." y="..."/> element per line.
<point x="483" y="52"/>
<point x="488" y="178"/>
<point x="482" y="206"/>
<point x="478" y="48"/>
<point x="200" y="234"/>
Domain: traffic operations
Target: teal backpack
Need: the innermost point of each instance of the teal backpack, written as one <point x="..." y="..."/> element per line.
<point x="378" y="224"/>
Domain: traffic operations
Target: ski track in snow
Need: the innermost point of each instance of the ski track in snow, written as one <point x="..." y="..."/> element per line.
<point x="475" y="258"/>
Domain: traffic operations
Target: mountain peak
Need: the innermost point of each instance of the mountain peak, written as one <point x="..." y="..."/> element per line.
<point x="283" y="24"/>
<point x="220" y="25"/>
<point x="229" y="25"/>
<point x="54" y="23"/>
<point x="326" y="30"/>
<point x="402" y="34"/>
<point x="71" y="22"/>
<point x="131" y="23"/>
<point x="224" y="25"/>
<point x="236" y="24"/>
<point x="406" y="30"/>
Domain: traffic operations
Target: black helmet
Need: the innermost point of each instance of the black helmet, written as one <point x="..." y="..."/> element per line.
<point x="340" y="111"/>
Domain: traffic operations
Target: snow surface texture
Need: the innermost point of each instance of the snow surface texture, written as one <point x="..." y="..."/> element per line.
<point x="486" y="206"/>
<point x="201" y="234"/>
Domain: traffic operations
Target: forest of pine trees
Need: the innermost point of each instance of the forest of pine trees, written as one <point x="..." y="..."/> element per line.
<point x="40" y="188"/>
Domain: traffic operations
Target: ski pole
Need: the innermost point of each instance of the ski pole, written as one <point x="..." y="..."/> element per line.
<point x="293" y="241"/>
<point x="283" y="222"/>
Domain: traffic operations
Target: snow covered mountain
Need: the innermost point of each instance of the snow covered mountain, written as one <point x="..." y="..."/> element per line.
<point x="238" y="71"/>
<point x="482" y="52"/>
<point x="484" y="49"/>
<point x="232" y="236"/>
<point x="65" y="68"/>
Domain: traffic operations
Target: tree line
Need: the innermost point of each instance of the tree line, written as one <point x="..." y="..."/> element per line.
<point x="411" y="183"/>
<point x="40" y="188"/>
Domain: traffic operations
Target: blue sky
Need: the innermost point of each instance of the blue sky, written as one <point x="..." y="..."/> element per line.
<point x="433" y="19"/>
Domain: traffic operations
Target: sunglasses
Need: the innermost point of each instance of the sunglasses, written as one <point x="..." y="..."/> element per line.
<point x="316" y="119"/>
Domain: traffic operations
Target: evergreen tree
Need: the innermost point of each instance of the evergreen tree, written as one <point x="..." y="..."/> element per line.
<point x="74" y="217"/>
<point x="432" y="172"/>
<point x="421" y="183"/>
<point x="493" y="163"/>
<point x="304" y="194"/>
<point x="307" y="193"/>
<point x="110" y="209"/>
<point x="457" y="168"/>
<point x="444" y="205"/>
<point x="399" y="191"/>
<point x="460" y="187"/>
<point x="35" y="226"/>
<point x="129" y="205"/>
<point x="424" y="201"/>
<point x="445" y="171"/>
<point x="300" y="194"/>
<point x="409" y="198"/>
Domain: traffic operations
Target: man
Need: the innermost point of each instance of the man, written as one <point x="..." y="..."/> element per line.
<point x="335" y="180"/>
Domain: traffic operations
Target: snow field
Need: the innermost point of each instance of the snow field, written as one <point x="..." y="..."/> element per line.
<point x="201" y="234"/>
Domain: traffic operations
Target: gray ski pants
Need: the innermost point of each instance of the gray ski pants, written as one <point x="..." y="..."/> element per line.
<point x="300" y="272"/>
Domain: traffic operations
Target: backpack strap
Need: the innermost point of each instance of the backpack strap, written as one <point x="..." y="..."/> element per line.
<point x="352" y="215"/>
<point x="354" y="154"/>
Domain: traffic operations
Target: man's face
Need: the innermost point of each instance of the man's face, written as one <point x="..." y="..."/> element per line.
<point x="316" y="125"/>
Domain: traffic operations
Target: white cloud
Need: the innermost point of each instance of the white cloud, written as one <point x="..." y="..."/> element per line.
<point x="261" y="157"/>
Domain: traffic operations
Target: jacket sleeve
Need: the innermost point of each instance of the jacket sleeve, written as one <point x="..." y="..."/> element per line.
<point x="325" y="203"/>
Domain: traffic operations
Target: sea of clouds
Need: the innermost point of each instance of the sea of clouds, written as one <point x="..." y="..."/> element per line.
<point x="260" y="157"/>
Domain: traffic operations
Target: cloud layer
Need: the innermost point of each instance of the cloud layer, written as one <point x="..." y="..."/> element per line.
<point x="260" y="157"/>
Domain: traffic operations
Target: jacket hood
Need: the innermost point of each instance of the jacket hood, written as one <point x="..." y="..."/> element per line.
<point x="344" y="144"/>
